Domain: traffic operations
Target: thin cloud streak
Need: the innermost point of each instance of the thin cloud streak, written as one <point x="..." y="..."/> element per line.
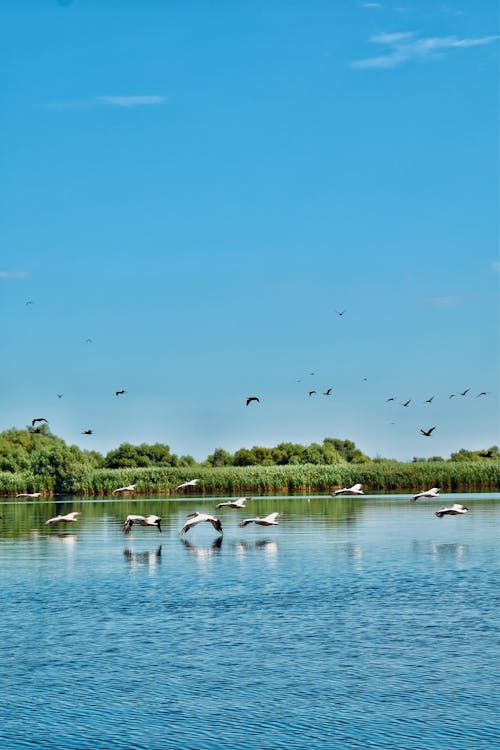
<point x="13" y="274"/>
<point x="108" y="101"/>
<point x="405" y="46"/>
<point x="131" y="101"/>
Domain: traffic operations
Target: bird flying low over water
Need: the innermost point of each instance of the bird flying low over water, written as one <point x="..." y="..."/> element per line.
<point x="68" y="518"/>
<point x="406" y="403"/>
<point x="88" y="432"/>
<point x="141" y="521"/>
<point x="29" y="494"/>
<point x="454" y="510"/>
<point x="464" y="393"/>
<point x="429" y="400"/>
<point x="269" y="520"/>
<point x="188" y="483"/>
<point x="392" y="398"/>
<point x="428" y="432"/>
<point x="311" y="393"/>
<point x="483" y="393"/>
<point x="354" y="490"/>
<point x="130" y="488"/>
<point x="39" y="419"/>
<point x="252" y="398"/>
<point x="433" y="492"/>
<point x="239" y="503"/>
<point x="120" y="393"/>
<point x="201" y="518"/>
<point x="327" y="392"/>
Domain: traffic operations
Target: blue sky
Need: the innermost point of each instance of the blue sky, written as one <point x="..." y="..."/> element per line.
<point x="198" y="187"/>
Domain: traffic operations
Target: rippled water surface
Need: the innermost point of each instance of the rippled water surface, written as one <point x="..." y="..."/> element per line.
<point x="355" y="623"/>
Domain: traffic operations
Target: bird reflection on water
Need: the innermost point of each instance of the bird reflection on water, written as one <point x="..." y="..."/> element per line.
<point x="138" y="559"/>
<point x="268" y="546"/>
<point x="203" y="552"/>
<point x="68" y="539"/>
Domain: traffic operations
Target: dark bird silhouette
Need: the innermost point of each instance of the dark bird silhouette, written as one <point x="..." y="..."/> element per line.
<point x="88" y="341"/>
<point x="483" y="393"/>
<point x="454" y="510"/>
<point x="428" y="432"/>
<point x="406" y="402"/>
<point x="120" y="393"/>
<point x="312" y="392"/>
<point x="59" y="395"/>
<point x="327" y="392"/>
<point x="39" y="419"/>
<point x="141" y="521"/>
<point x="429" y="400"/>
<point x="464" y="393"/>
<point x="392" y="398"/>
<point x="88" y="432"/>
<point x="340" y="312"/>
<point x="452" y="395"/>
<point x="200" y="518"/>
<point x="30" y="302"/>
<point x="252" y="398"/>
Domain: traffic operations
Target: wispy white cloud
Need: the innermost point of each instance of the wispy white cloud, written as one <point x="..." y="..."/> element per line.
<point x="444" y="301"/>
<point x="131" y="101"/>
<point x="371" y="5"/>
<point x="13" y="274"/>
<point x="108" y="101"/>
<point x="404" y="46"/>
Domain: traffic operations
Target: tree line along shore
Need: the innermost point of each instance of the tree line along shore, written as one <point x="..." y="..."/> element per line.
<point x="39" y="462"/>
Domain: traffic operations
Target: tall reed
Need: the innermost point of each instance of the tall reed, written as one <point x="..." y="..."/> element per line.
<point x="261" y="480"/>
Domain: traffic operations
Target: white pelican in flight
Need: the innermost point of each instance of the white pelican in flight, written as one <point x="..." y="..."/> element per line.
<point x="141" y="521"/>
<point x="433" y="492"/>
<point x="354" y="490"/>
<point x="130" y="488"/>
<point x="239" y="503"/>
<point x="454" y="510"/>
<point x="68" y="518"/>
<point x="29" y="494"/>
<point x="200" y="518"/>
<point x="269" y="520"/>
<point x="188" y="483"/>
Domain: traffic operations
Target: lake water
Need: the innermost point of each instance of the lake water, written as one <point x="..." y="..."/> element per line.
<point x="355" y="623"/>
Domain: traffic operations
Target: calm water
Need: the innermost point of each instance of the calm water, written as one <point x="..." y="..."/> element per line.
<point x="355" y="623"/>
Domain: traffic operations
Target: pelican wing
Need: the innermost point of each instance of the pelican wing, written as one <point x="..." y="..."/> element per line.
<point x="246" y="521"/>
<point x="189" y="525"/>
<point x="216" y="524"/>
<point x="127" y="526"/>
<point x="271" y="518"/>
<point x="55" y="519"/>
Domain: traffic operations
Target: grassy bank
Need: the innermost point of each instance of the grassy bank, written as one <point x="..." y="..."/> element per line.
<point x="450" y="476"/>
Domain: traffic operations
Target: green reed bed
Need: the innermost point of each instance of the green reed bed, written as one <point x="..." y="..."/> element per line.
<point x="261" y="480"/>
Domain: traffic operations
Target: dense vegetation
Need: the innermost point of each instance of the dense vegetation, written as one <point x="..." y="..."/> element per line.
<point x="37" y="461"/>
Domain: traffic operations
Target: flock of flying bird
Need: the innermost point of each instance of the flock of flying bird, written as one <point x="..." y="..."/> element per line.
<point x="238" y="504"/>
<point x="328" y="392"/>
